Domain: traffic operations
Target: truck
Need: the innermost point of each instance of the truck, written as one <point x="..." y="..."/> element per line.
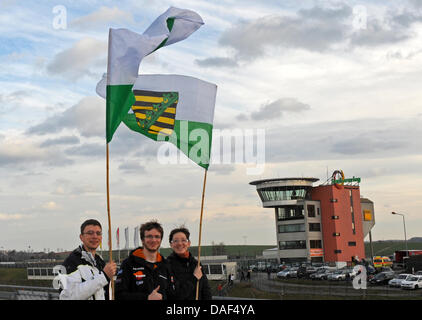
<point x="400" y="256"/>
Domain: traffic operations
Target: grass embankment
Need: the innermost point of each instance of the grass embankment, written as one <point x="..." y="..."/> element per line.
<point x="18" y="277"/>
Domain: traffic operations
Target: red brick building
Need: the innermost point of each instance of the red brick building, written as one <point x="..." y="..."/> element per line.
<point x="341" y="219"/>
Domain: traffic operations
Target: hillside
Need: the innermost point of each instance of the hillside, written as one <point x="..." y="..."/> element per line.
<point x="388" y="247"/>
<point x="237" y="251"/>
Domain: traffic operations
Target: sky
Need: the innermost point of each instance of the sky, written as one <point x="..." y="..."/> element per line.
<point x="304" y="88"/>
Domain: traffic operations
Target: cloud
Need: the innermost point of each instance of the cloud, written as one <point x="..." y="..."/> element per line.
<point x="9" y="217"/>
<point x="87" y="116"/>
<point x="217" y="62"/>
<point x="51" y="205"/>
<point x="60" y="141"/>
<point x="132" y="167"/>
<point x="75" y="62"/>
<point x="365" y="145"/>
<point x="276" y="110"/>
<point x="20" y="152"/>
<point x="101" y="18"/>
<point x="363" y="138"/>
<point x="317" y="29"/>
<point x="416" y="3"/>
<point x="379" y="33"/>
<point x="87" y="150"/>
<point x="223" y="169"/>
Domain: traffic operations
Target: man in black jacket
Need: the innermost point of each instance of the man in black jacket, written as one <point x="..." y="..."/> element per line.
<point x="145" y="275"/>
<point x="185" y="268"/>
<point x="87" y="275"/>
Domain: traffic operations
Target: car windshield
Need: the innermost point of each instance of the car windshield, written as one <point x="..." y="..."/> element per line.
<point x="402" y="276"/>
<point x="413" y="278"/>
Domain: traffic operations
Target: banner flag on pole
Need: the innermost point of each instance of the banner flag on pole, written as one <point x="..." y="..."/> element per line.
<point x="136" y="237"/>
<point x="175" y="108"/>
<point x="126" y="49"/>
<point x="118" y="238"/>
<point x="127" y="237"/>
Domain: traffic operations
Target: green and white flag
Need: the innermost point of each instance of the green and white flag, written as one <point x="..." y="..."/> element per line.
<point x="178" y="109"/>
<point x="126" y="49"/>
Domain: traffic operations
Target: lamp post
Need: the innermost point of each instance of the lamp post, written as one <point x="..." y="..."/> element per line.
<point x="404" y="226"/>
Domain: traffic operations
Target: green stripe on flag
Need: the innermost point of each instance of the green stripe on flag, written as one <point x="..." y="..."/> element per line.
<point x="119" y="100"/>
<point x="194" y="139"/>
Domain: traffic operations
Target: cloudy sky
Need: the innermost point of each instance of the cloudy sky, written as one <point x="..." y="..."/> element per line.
<point x="332" y="84"/>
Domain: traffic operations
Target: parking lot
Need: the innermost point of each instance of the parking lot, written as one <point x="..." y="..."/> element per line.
<point x="333" y="282"/>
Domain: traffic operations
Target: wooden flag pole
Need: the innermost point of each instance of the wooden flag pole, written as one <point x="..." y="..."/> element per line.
<point x="200" y="231"/>
<point x="110" y="252"/>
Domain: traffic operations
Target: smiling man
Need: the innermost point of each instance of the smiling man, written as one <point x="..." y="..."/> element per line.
<point x="145" y="274"/>
<point x="87" y="275"/>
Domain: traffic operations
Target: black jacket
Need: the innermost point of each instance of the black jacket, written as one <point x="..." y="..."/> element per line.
<point x="186" y="282"/>
<point x="137" y="278"/>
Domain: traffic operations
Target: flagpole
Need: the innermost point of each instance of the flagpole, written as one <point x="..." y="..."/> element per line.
<point x="109" y="221"/>
<point x="200" y="231"/>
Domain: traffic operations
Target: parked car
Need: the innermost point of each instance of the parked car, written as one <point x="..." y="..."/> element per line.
<point x="397" y="281"/>
<point x="382" y="277"/>
<point x="322" y="273"/>
<point x="305" y="271"/>
<point x="337" y="275"/>
<point x="283" y="274"/>
<point x="370" y="270"/>
<point x="281" y="267"/>
<point x="293" y="272"/>
<point x="418" y="273"/>
<point x="413" y="282"/>
<point x="342" y="274"/>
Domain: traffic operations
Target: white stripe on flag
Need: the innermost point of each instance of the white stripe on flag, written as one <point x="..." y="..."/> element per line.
<point x="196" y="97"/>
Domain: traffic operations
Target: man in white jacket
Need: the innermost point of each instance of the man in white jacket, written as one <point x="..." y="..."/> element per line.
<point x="87" y="276"/>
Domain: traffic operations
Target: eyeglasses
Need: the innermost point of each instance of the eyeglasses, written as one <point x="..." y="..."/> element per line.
<point x="150" y="237"/>
<point x="179" y="241"/>
<point x="91" y="233"/>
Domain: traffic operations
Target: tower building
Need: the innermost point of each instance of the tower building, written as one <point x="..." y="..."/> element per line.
<point x="324" y="223"/>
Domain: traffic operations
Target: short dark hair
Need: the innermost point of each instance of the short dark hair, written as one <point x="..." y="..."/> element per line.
<point x="179" y="229"/>
<point x="147" y="226"/>
<point x="90" y="222"/>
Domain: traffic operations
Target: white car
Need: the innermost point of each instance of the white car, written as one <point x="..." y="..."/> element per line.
<point x="413" y="282"/>
<point x="396" y="282"/>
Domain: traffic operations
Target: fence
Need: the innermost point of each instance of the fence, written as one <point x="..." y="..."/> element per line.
<point x="9" y="292"/>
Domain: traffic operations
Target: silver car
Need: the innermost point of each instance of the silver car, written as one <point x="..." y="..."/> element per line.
<point x="396" y="282"/>
<point x="283" y="274"/>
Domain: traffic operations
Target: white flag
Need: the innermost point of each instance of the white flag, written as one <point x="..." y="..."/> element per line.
<point x="127" y="238"/>
<point x="136" y="237"/>
<point x="127" y="48"/>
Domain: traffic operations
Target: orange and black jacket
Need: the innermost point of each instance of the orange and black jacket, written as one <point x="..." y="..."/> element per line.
<point x="137" y="278"/>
